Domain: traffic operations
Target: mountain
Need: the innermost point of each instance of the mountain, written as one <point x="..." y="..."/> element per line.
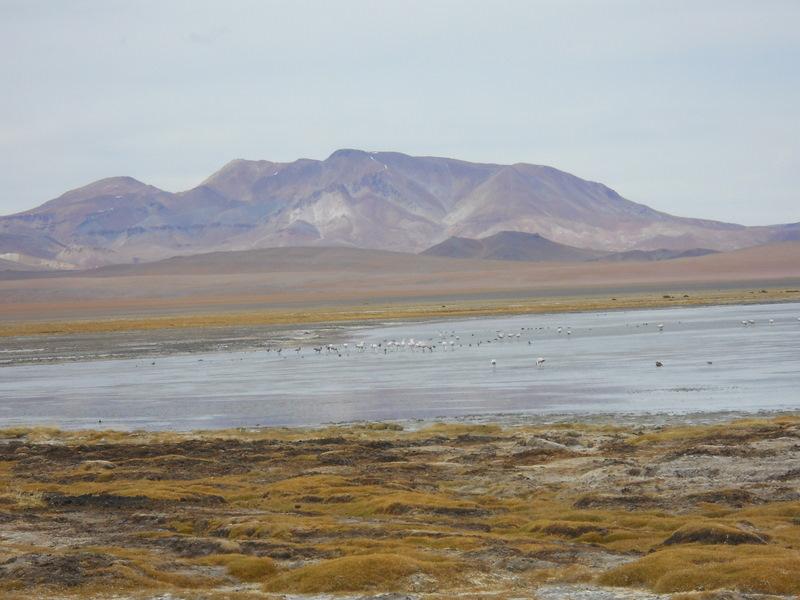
<point x="378" y="200"/>
<point x="510" y="245"/>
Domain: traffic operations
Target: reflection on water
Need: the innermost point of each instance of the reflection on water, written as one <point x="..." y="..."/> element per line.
<point x="597" y="363"/>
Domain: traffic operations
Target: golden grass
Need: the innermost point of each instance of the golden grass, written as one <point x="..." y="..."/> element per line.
<point x="446" y="504"/>
<point x="713" y="533"/>
<point x="208" y="488"/>
<point x="244" y="567"/>
<point x="749" y="428"/>
<point x="769" y="571"/>
<point x="362" y="573"/>
<point x="401" y="503"/>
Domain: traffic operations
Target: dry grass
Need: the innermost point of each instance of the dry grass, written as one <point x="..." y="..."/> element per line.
<point x="377" y="508"/>
<point x="399" y="310"/>
<point x="365" y="573"/>
<point x="713" y="533"/>
<point x="766" y="571"/>
<point x="244" y="567"/>
<point x="734" y="431"/>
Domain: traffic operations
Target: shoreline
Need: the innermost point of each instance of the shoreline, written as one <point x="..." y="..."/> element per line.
<point x="401" y="310"/>
<point x="196" y="334"/>
<point x="629" y="419"/>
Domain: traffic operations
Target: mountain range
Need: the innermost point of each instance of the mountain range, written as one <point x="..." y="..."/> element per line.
<point x="374" y="200"/>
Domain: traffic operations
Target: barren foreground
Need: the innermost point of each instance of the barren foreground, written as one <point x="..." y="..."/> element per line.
<point x="529" y="510"/>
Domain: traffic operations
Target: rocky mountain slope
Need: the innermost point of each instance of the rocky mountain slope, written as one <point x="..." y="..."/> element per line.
<point x="382" y="200"/>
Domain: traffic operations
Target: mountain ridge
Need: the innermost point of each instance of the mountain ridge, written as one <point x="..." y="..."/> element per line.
<point x="378" y="200"/>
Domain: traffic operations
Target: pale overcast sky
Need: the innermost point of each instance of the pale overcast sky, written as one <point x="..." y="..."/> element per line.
<point x="692" y="107"/>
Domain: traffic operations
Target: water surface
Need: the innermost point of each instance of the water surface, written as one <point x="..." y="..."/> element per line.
<point x="605" y="365"/>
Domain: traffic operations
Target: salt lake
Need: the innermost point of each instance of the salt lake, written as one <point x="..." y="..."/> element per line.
<point x="714" y="359"/>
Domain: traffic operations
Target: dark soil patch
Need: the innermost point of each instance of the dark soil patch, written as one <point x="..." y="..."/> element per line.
<point x="64" y="570"/>
<point x="734" y="498"/>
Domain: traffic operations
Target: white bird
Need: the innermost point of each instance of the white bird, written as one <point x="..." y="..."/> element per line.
<point x="494" y="362"/>
<point x="539" y="361"/>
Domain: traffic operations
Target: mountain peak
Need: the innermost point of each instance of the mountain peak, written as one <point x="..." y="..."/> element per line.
<point x="517" y="235"/>
<point x="236" y="178"/>
<point x="121" y="185"/>
<point x="347" y="153"/>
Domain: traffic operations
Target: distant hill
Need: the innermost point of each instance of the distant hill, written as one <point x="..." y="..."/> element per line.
<point x="660" y="254"/>
<point x="518" y="246"/>
<point x="377" y="200"/>
<point x="511" y="245"/>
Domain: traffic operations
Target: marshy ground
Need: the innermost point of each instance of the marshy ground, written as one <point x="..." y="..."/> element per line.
<point x="590" y="510"/>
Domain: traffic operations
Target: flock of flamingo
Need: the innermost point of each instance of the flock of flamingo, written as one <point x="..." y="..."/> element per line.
<point x="449" y="341"/>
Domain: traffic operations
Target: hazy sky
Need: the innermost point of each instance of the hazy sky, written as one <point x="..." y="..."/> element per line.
<point x="692" y="107"/>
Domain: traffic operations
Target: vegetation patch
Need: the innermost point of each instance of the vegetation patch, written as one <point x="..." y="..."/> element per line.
<point x="685" y="569"/>
<point x="438" y="511"/>
<point x="244" y="567"/>
<point x="364" y="573"/>
<point x="714" y="533"/>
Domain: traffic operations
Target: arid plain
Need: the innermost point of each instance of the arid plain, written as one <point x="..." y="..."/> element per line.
<point x="302" y="285"/>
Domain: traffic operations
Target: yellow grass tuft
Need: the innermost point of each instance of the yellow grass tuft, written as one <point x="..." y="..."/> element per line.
<point x="361" y="573"/>
<point x="243" y="566"/>
<point x="765" y="570"/>
<point x="401" y="503"/>
<point x="713" y="533"/>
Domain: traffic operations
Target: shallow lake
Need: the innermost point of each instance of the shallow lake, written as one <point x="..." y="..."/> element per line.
<point x="597" y="363"/>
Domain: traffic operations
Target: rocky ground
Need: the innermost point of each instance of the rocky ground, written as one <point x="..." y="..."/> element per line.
<point x="592" y="511"/>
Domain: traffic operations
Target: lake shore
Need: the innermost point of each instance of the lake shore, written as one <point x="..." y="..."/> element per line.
<point x="600" y="508"/>
<point x="162" y="333"/>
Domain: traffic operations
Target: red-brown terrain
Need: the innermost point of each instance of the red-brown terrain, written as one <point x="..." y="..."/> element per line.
<point x="314" y="277"/>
